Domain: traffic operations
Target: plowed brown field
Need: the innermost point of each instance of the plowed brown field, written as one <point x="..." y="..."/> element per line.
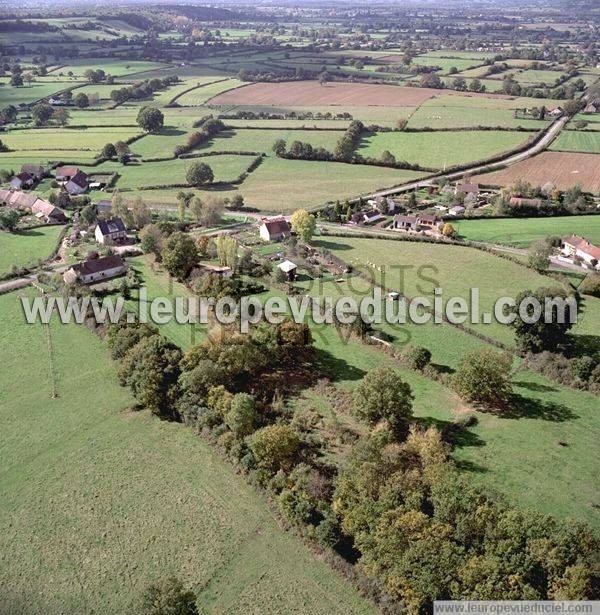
<point x="563" y="169"/>
<point x="311" y="93"/>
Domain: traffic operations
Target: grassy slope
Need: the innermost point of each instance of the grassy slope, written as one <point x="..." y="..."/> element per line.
<point x="27" y="246"/>
<point x="521" y="232"/>
<point x="96" y="502"/>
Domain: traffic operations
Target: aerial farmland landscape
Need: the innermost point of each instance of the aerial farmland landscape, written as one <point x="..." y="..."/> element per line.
<point x="300" y="307"/>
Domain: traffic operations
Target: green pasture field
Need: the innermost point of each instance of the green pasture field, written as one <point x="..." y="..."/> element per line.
<point x="280" y="185"/>
<point x="491" y="102"/>
<point x="446" y="64"/>
<point x="117" y="68"/>
<point x="159" y="145"/>
<point x="453" y="53"/>
<point x="165" y="173"/>
<point x="12" y="161"/>
<point x="456" y="269"/>
<point x="432" y="115"/>
<point x="103" y="90"/>
<point x="97" y="501"/>
<point x="523" y="231"/>
<point x="90" y="139"/>
<point x="123" y="115"/>
<point x="30" y="93"/>
<point x="577" y="141"/>
<point x="27" y="246"/>
<point x="441" y="149"/>
<point x="200" y="95"/>
<point x="256" y="140"/>
<point x="547" y="77"/>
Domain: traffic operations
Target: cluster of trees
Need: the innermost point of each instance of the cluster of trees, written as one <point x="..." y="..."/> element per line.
<point x="344" y="149"/>
<point x="298" y="150"/>
<point x="142" y="89"/>
<point x="427" y="534"/>
<point x="43" y="113"/>
<point x="119" y="150"/>
<point x="208" y="129"/>
<point x="150" y="119"/>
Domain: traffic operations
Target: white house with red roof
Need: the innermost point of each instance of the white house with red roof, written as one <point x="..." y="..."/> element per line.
<point x="580" y="249"/>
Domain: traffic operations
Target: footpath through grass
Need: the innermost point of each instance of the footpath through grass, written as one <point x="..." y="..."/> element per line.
<point x="96" y="502"/>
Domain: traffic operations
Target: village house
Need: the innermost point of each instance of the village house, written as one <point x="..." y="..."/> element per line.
<point x="48" y="212"/>
<point x="556" y="112"/>
<point x="95" y="269"/>
<point x="64" y="173"/>
<point x="579" y="248"/>
<point x="289" y="269"/>
<point x="429" y="221"/>
<point x="110" y="232"/>
<point x="465" y="188"/>
<point x="40" y="208"/>
<point x="457" y="210"/>
<point x="22" y="180"/>
<point x="36" y="171"/>
<point x="592" y="107"/>
<point x="519" y="201"/>
<point x="78" y="184"/>
<point x="365" y="217"/>
<point x="406" y="223"/>
<point x="275" y="229"/>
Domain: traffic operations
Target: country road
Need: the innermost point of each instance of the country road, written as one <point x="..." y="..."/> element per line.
<point x="542" y="144"/>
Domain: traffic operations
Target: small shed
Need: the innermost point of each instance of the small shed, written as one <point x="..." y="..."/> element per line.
<point x="289" y="269"/>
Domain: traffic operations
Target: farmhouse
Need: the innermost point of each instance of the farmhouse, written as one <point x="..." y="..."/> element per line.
<point x="109" y="232"/>
<point x="275" y="229"/>
<point x="579" y="248"/>
<point x="78" y="184"/>
<point x="457" y="210"/>
<point x="31" y="202"/>
<point x="94" y="269"/>
<point x="519" y="201"/>
<point x="48" y="212"/>
<point x="289" y="269"/>
<point x="22" y="180"/>
<point x="429" y="221"/>
<point x="556" y="111"/>
<point x="64" y="173"/>
<point x="365" y="217"/>
<point x="406" y="223"/>
<point x="36" y="171"/>
<point x="467" y="188"/>
<point x="592" y="107"/>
